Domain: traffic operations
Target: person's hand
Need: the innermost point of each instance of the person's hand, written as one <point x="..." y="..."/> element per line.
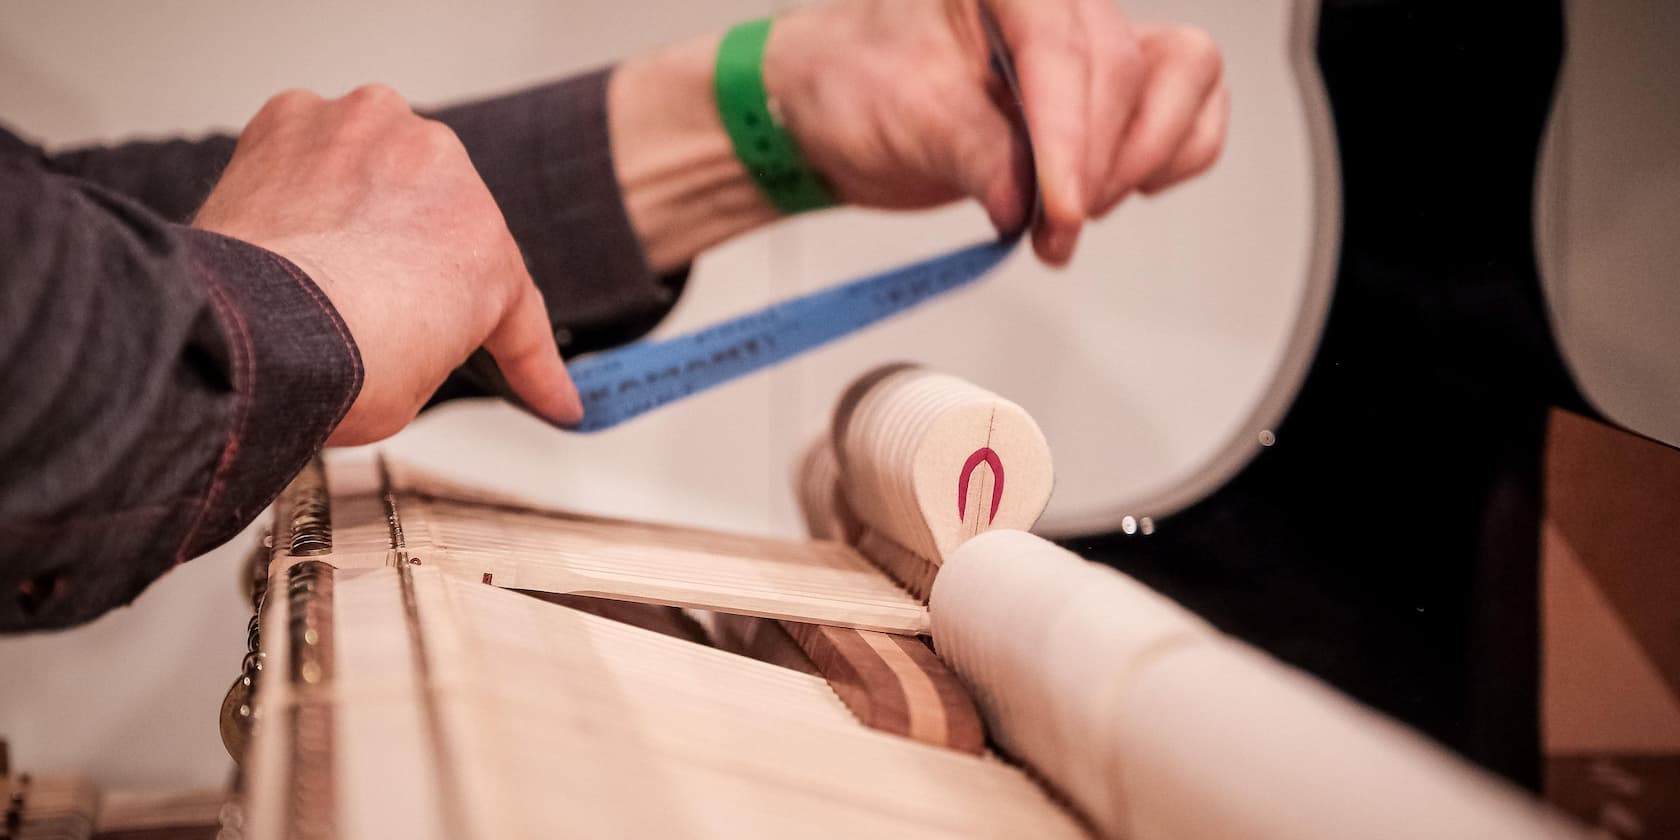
<point x="895" y="104"/>
<point x="384" y="211"/>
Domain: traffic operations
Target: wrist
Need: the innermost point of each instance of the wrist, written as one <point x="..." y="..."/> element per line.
<point x="684" y="189"/>
<point x="756" y="126"/>
<point x="793" y="48"/>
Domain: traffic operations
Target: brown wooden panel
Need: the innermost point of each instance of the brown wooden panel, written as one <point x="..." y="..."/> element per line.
<point x="894" y="684"/>
<point x="1620" y="794"/>
<point x="1615" y="498"/>
<point x="762" y="639"/>
<point x="660" y="619"/>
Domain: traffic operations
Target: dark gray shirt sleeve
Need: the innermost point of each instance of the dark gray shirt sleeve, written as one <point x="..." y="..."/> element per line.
<point x="545" y="155"/>
<point x="159" y="384"/>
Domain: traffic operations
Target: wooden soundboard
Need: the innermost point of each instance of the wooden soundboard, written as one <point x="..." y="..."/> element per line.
<point x="502" y="669"/>
<point x="434" y="660"/>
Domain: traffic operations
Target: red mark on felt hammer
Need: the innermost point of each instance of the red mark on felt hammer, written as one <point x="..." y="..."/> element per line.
<point x="982" y="455"/>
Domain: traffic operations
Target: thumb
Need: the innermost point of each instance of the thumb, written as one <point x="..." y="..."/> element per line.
<point x="524" y="349"/>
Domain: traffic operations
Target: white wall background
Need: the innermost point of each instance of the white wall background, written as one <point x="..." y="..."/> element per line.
<point x="1140" y="361"/>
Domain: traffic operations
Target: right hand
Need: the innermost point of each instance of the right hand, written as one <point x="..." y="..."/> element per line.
<point x="894" y="102"/>
<point x="384" y="211"/>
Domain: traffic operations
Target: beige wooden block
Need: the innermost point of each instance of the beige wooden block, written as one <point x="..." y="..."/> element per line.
<point x="1221" y="741"/>
<point x="822" y="503"/>
<point x="929" y="460"/>
<point x="1048" y="643"/>
<point x="1154" y="726"/>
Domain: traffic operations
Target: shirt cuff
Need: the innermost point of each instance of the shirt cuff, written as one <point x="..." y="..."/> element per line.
<point x="295" y="372"/>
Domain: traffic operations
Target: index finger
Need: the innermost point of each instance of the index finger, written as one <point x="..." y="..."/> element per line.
<point x="529" y="360"/>
<point x="1051" y="59"/>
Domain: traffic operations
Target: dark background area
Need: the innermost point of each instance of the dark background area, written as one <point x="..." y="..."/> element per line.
<point x="1389" y="541"/>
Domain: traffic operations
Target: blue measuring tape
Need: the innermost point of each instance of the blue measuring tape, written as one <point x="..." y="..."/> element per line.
<point x="626" y="382"/>
<point x="617" y="385"/>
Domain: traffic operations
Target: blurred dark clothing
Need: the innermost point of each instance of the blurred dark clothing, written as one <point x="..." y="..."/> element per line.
<point x="160" y="385"/>
<point x="1389" y="541"/>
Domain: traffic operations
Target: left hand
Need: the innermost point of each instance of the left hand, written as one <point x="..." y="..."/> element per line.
<point x="895" y="104"/>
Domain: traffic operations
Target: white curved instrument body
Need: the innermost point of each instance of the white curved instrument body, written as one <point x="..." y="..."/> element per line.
<point x="1607" y="211"/>
<point x="1180" y="332"/>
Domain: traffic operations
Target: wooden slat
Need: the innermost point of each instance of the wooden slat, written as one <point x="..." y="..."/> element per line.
<point x="557" y="722"/>
<point x="484" y="538"/>
<point x="894" y="684"/>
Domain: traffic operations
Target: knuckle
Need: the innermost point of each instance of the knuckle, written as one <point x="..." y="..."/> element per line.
<point x="1198" y="46"/>
<point x="373" y="92"/>
<point x="375" y="98"/>
<point x="292" y="98"/>
<point x="1055" y="35"/>
<point x="1141" y="159"/>
<point x="1124" y="68"/>
<point x="1123" y="53"/>
<point x="438" y="137"/>
<point x="286" y="103"/>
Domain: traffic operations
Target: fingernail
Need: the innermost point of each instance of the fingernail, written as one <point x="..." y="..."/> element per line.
<point x="572" y="412"/>
<point x="567" y="409"/>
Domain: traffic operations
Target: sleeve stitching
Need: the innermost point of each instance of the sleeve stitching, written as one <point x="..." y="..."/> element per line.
<point x="244" y="353"/>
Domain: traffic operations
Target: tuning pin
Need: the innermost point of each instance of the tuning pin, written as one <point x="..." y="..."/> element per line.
<point x="255" y="580"/>
<point x="235" y="719"/>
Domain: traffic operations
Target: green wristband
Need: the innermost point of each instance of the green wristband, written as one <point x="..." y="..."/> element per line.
<point x="766" y="149"/>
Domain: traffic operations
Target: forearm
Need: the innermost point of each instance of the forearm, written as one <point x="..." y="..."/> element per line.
<point x="684" y="189"/>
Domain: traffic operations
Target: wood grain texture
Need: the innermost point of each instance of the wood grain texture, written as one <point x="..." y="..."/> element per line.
<point x="481" y="536"/>
<point x="822" y="501"/>
<point x="928" y="460"/>
<point x="910" y="570"/>
<point x="553" y="722"/>
<point x="894" y="684"/>
<point x="763" y="639"/>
